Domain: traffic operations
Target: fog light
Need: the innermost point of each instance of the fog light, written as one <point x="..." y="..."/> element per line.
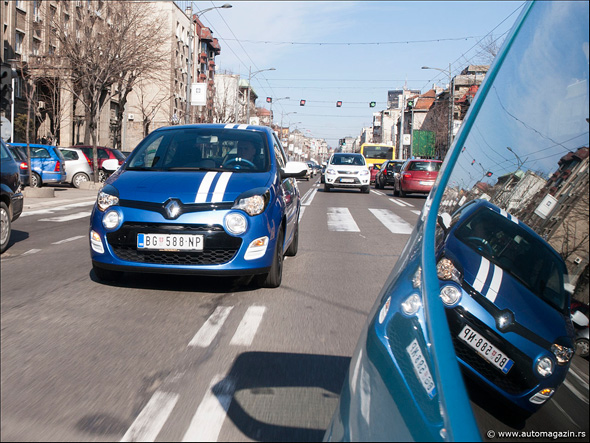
<point x="96" y="242"/>
<point x="450" y="295"/>
<point x="256" y="249"/>
<point x="235" y="223"/>
<point x="542" y="396"/>
<point x="411" y="304"/>
<point x="111" y="219"/>
<point x="544" y="366"/>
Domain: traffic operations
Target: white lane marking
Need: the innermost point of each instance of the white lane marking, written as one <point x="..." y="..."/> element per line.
<point x="248" y="326"/>
<point x="301" y="211"/>
<point x="495" y="284"/>
<point x="58" y="208"/>
<point x="207" y="422"/>
<point x="152" y="418"/>
<point x="308" y="198"/>
<point x="415" y="211"/>
<point x="31" y="251"/>
<point x="377" y="192"/>
<point x="398" y="202"/>
<point x="577" y="393"/>
<point x="205" y="186"/>
<point x="68" y="240"/>
<point x="393" y="222"/>
<point x="482" y="275"/>
<point x="340" y="219"/>
<point x="65" y="218"/>
<point x="575" y="374"/>
<point x="220" y="187"/>
<point x="554" y="402"/>
<point x="204" y="337"/>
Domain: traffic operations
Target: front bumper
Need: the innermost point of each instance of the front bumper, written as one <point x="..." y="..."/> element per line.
<point x="347" y="181"/>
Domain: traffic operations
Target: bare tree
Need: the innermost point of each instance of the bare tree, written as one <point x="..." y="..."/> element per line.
<point x="149" y="103"/>
<point x="489" y="48"/>
<point x="115" y="43"/>
<point x="224" y="103"/>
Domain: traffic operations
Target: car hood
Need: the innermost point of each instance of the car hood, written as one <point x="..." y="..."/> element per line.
<point x="187" y="186"/>
<point x="507" y="292"/>
<point x="348" y="168"/>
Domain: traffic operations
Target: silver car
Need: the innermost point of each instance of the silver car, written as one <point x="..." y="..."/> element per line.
<point x="78" y="168"/>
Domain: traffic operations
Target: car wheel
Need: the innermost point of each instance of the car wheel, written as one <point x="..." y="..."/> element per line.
<point x="326" y="187"/>
<point x="365" y="189"/>
<point x="402" y="193"/>
<point x="582" y="347"/>
<point x="275" y="276"/>
<point x="107" y="274"/>
<point x="294" y="246"/>
<point x="395" y="191"/>
<point x="79" y="178"/>
<point x="5" y="226"/>
<point x="35" y="180"/>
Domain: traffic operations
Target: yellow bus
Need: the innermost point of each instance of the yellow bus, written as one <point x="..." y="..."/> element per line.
<point x="377" y="153"/>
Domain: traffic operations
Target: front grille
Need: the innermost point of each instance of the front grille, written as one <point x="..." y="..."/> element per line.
<point x="519" y="379"/>
<point x="355" y="182"/>
<point x="347" y="172"/>
<point x="219" y="247"/>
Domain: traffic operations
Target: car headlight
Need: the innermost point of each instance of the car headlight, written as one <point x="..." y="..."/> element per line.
<point x="105" y="200"/>
<point x="364" y="172"/>
<point x="254" y="204"/>
<point x="111" y="219"/>
<point x="330" y="171"/>
<point x="563" y="354"/>
<point x="450" y="295"/>
<point x="446" y="270"/>
<point x="411" y="305"/>
<point x="544" y="366"/>
<point x="236" y="223"/>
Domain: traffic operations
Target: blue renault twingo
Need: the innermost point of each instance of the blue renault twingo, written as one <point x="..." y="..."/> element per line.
<point x="205" y="199"/>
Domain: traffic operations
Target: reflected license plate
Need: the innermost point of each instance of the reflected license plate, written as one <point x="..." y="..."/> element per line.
<point x="485" y="349"/>
<point x="176" y="242"/>
<point x="421" y="368"/>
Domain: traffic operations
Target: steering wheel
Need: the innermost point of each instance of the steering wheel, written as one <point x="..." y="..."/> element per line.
<point x="238" y="161"/>
<point x="481" y="245"/>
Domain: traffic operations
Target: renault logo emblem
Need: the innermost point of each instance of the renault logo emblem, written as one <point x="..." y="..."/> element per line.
<point x="172" y="209"/>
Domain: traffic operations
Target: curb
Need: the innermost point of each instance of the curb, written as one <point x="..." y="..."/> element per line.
<point x="91" y="186"/>
<point x="39" y="192"/>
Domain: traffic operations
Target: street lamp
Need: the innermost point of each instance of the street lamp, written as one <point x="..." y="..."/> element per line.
<point x="250" y="75"/>
<point x="275" y="100"/>
<point x="190" y="56"/>
<point x="451" y="101"/>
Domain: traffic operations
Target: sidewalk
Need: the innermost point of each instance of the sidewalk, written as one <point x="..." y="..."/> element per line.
<point x="55" y="195"/>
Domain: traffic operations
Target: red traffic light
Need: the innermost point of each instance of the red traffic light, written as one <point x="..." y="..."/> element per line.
<point x="302" y="103"/>
<point x="488" y="174"/>
<point x="338" y="103"/>
<point x="268" y="99"/>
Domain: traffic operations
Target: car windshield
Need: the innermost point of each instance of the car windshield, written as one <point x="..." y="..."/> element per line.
<point x="349" y="160"/>
<point x="202" y="149"/>
<point x="517" y="252"/>
<point x="424" y="166"/>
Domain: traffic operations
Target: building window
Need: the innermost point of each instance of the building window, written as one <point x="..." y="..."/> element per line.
<point x="18" y="42"/>
<point x="36" y="46"/>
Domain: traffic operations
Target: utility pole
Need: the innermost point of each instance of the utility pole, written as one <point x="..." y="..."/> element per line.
<point x="401" y="129"/>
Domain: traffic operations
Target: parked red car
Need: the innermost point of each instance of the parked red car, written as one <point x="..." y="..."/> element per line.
<point x="103" y="154"/>
<point x="374" y="169"/>
<point x="416" y="176"/>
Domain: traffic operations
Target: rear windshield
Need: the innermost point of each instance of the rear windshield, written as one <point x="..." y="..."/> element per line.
<point x="202" y="149"/>
<point x="524" y="256"/>
<point x="424" y="166"/>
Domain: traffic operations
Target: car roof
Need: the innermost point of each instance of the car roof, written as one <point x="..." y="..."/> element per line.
<point x="216" y="126"/>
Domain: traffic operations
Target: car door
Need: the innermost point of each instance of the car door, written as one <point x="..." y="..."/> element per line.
<point x="42" y="163"/>
<point x="289" y="190"/>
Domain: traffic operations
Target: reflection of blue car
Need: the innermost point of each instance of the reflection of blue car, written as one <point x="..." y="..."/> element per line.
<point x="200" y="199"/>
<point x="47" y="163"/>
<point x="508" y="311"/>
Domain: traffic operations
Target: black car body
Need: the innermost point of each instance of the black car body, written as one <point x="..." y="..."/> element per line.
<point x="11" y="197"/>
<point x="388" y="173"/>
<point x="21" y="157"/>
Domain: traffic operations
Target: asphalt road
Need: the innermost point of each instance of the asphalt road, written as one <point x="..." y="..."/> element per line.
<point x="169" y="358"/>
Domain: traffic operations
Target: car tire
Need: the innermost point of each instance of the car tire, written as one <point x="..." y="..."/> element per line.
<point x="401" y="192"/>
<point x="79" y="178"/>
<point x="326" y="187"/>
<point x="366" y="189"/>
<point x="35" y="180"/>
<point x="5" y="226"/>
<point x="582" y="347"/>
<point x="377" y="183"/>
<point x="294" y="246"/>
<point x="275" y="275"/>
<point x="107" y="274"/>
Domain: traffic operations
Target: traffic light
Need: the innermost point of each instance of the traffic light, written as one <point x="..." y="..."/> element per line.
<point x="488" y="174"/>
<point x="372" y="104"/>
<point x="338" y="104"/>
<point x="268" y="99"/>
<point x="302" y="103"/>
<point x="6" y="76"/>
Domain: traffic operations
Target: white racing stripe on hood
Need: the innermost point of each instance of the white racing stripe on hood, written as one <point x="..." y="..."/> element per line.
<point x="229" y="126"/>
<point x="242" y="126"/>
<point x="205" y="186"/>
<point x="495" y="285"/>
<point x="510" y="217"/>
<point x="482" y="274"/>
<point x="220" y="187"/>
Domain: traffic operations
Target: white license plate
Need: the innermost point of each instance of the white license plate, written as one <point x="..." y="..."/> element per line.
<point x="175" y="242"/>
<point x="485" y="349"/>
<point x="426" y="183"/>
<point x="346" y="180"/>
<point x="421" y="367"/>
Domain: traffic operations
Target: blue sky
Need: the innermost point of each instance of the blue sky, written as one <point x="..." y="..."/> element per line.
<point x="353" y="51"/>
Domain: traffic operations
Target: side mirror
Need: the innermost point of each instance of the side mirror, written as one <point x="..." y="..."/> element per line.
<point x="294" y="170"/>
<point x="111" y="164"/>
<point x="444" y="220"/>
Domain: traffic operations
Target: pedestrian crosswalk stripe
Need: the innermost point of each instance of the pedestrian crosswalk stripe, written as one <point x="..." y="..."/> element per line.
<point x="340" y="219"/>
<point x="248" y="326"/>
<point x="65" y="218"/>
<point x="152" y="418"/>
<point x="211" y="327"/>
<point x="394" y="223"/>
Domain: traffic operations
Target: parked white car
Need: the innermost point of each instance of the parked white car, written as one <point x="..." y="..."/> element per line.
<point x="78" y="168"/>
<point x="347" y="170"/>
